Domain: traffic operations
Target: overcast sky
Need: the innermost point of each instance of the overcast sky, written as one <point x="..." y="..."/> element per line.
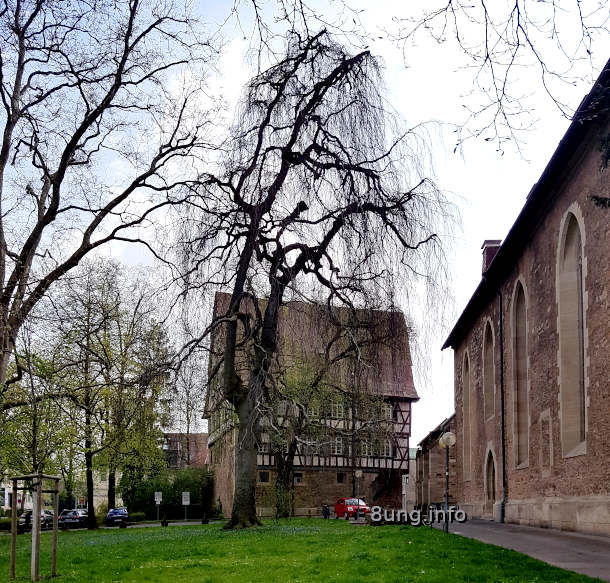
<point x="488" y="187"/>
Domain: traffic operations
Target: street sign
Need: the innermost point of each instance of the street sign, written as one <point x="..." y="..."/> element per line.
<point x="158" y="497"/>
<point x="186" y="500"/>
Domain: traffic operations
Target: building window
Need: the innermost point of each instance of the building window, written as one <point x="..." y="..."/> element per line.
<point x="490" y="478"/>
<point x="336" y="446"/>
<point x="489" y="373"/>
<point x="387" y="411"/>
<point x="520" y="400"/>
<point x="263" y="477"/>
<point x="264" y="447"/>
<point x="298" y="477"/>
<point x="313" y="448"/>
<point x="365" y="448"/>
<point x="571" y="336"/>
<point x="340" y="477"/>
<point x="466" y="415"/>
<point x="314" y="411"/>
<point x="336" y="409"/>
<point x="386" y="448"/>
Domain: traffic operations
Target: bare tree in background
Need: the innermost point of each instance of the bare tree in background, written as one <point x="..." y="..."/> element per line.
<point x="187" y="403"/>
<point x="84" y="85"/>
<point x="318" y="185"/>
<point x="514" y="49"/>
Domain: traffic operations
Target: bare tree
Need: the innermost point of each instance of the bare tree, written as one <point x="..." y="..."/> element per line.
<point x="89" y="121"/>
<point x="510" y="48"/>
<point x="317" y="186"/>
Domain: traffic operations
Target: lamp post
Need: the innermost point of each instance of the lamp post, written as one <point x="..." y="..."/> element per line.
<point x="445" y="442"/>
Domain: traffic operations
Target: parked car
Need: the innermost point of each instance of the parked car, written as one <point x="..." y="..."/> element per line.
<point x="117" y="515"/>
<point x="76" y="518"/>
<point x="46" y="519"/>
<point x="349" y="506"/>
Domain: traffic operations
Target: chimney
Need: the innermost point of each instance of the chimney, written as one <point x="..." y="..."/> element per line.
<point x="490" y="248"/>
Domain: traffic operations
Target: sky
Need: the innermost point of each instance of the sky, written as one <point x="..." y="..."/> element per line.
<point x="488" y="187"/>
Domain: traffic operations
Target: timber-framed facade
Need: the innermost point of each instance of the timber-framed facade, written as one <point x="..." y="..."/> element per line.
<point x="358" y="421"/>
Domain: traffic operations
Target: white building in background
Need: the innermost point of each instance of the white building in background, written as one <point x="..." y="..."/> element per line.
<point x="6" y="498"/>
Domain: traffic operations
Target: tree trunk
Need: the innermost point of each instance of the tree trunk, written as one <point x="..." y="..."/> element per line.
<point x="91" y="522"/>
<point x="111" y="488"/>
<point x="243" y="514"/>
<point x="69" y="495"/>
<point x="88" y="402"/>
<point x="69" y="480"/>
<point x="246" y="402"/>
<point x="5" y="358"/>
<point x="284" y="487"/>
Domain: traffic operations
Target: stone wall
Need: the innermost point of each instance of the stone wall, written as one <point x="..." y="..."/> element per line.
<point x="553" y="487"/>
<point x="222" y="453"/>
<point x="320" y="487"/>
<point x="411" y="497"/>
<point x="431" y="463"/>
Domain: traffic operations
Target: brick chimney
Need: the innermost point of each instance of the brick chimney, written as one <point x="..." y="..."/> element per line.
<point x="490" y="248"/>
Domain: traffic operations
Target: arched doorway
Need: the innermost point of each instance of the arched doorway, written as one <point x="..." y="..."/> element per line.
<point x="490" y="483"/>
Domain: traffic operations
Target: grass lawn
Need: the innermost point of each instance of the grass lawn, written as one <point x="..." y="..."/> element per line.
<point x="295" y="550"/>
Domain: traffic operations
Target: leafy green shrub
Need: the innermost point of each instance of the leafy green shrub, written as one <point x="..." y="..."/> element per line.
<point x="137" y="516"/>
<point x="100" y="513"/>
<point x="5" y="524"/>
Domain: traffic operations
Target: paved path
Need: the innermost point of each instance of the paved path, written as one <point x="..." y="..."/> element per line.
<point x="583" y="553"/>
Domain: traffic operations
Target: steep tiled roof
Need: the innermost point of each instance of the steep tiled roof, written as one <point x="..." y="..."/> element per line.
<point x="305" y="329"/>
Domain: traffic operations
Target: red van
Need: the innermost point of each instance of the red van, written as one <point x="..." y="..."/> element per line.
<point x="348" y="506"/>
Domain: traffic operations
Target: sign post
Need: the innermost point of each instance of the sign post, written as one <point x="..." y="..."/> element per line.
<point x="158" y="498"/>
<point x="186" y="500"/>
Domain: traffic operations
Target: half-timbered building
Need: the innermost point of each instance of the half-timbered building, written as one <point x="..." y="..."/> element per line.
<point x="343" y="418"/>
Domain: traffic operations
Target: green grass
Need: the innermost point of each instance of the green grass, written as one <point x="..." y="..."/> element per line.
<point x="295" y="550"/>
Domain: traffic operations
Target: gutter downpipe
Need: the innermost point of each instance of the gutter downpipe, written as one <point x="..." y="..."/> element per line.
<point x="501" y="325"/>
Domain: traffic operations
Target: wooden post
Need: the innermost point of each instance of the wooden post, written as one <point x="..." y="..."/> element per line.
<point x="36" y="508"/>
<point x="55" y="527"/>
<point x="13" y="530"/>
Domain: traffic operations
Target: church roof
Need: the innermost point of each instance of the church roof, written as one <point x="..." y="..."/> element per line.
<point x="540" y="199"/>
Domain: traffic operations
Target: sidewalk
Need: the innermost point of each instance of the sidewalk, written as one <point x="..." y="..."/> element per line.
<point x="583" y="553"/>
